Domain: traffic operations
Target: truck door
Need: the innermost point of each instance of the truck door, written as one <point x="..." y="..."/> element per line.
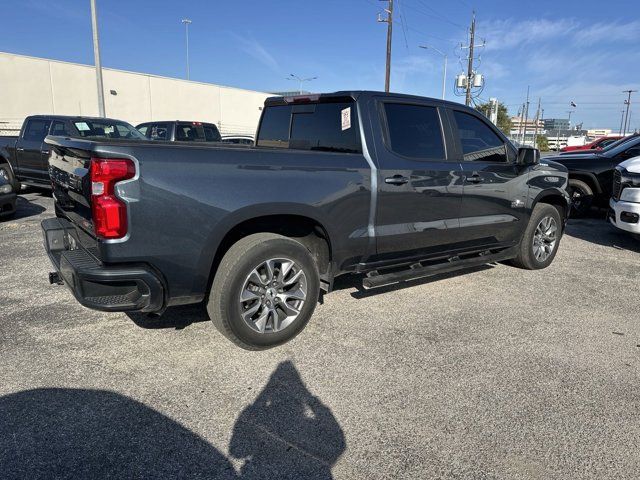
<point x="495" y="187"/>
<point x="32" y="152"/>
<point x="419" y="187"/>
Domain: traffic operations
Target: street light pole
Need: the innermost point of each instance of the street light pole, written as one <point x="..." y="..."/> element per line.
<point x="627" y="102"/>
<point x="444" y="70"/>
<point x="186" y="23"/>
<point x="96" y="56"/>
<point x="300" y="80"/>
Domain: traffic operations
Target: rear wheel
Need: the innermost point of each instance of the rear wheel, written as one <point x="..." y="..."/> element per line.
<point x="264" y="292"/>
<point x="581" y="197"/>
<point x="7" y="175"/>
<point x="541" y="238"/>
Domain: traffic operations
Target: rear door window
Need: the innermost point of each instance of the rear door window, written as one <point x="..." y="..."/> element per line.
<point x="143" y="129"/>
<point x="414" y="131"/>
<point x="36" y="130"/>
<point x="479" y="142"/>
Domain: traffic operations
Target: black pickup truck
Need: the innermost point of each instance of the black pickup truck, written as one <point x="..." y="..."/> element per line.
<point x="27" y="153"/>
<point x="591" y="172"/>
<point x="395" y="187"/>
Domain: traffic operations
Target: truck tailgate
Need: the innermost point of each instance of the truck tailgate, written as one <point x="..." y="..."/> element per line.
<point x="69" y="162"/>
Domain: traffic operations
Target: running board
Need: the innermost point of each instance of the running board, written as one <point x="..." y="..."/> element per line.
<point x="415" y="271"/>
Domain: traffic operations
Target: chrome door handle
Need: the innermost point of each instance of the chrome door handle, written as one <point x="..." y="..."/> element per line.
<point x="396" y="180"/>
<point x="475" y="178"/>
<point x="46" y="152"/>
<point x="19" y="149"/>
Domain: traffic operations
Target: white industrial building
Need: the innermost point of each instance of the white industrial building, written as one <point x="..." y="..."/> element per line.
<point x="30" y="86"/>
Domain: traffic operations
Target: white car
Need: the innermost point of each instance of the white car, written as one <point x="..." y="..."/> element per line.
<point x="625" y="200"/>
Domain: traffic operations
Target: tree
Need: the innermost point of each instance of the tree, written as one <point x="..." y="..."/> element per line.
<point x="543" y="143"/>
<point x="504" y="121"/>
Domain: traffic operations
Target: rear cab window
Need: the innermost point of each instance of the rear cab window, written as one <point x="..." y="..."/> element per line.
<point x="197" y="132"/>
<point x="158" y="131"/>
<point x="330" y="126"/>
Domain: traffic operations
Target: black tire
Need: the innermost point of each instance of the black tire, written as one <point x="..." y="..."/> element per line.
<point x="526" y="250"/>
<point x="581" y="197"/>
<point x="241" y="259"/>
<point x="7" y="173"/>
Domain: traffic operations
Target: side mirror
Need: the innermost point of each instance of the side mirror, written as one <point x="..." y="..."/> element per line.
<point x="528" y="156"/>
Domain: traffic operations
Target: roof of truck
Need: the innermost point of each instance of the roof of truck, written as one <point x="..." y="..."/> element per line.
<point x="353" y="94"/>
<point x="75" y="117"/>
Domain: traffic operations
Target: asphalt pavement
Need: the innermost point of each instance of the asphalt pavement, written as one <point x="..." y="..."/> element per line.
<point x="492" y="373"/>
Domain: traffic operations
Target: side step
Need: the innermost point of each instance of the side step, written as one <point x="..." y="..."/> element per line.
<point x="375" y="279"/>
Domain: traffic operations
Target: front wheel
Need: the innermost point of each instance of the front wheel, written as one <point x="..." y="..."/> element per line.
<point x="264" y="291"/>
<point x="581" y="197"/>
<point x="541" y="238"/>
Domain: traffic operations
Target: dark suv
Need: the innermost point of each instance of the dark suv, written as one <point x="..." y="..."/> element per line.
<point x="178" y="131"/>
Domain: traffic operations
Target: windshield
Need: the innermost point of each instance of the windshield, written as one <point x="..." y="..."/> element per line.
<point x="106" y="129"/>
<point x="617" y="142"/>
<point x="617" y="148"/>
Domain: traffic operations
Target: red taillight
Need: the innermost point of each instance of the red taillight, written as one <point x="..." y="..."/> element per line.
<point x="109" y="212"/>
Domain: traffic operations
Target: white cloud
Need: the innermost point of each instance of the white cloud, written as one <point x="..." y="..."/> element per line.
<point x="608" y="32"/>
<point x="510" y="33"/>
<point x="252" y="47"/>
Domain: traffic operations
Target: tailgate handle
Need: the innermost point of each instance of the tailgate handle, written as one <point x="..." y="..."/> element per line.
<point x="396" y="180"/>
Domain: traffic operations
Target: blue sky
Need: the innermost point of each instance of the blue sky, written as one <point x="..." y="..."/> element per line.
<point x="581" y="51"/>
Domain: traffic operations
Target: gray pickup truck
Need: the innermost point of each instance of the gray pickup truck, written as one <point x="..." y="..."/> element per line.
<point x="393" y="187"/>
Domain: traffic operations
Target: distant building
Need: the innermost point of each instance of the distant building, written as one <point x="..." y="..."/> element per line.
<point x="599" y="132"/>
<point x="524" y="130"/>
<point x="556" y="124"/>
<point x="30" y="86"/>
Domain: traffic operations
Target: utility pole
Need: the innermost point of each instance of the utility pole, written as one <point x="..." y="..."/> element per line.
<point x="526" y="116"/>
<point x="389" y="22"/>
<point x="186" y="23"/>
<point x="621" y="121"/>
<point x="535" y="134"/>
<point x="467" y="101"/>
<point x="96" y="56"/>
<point x="628" y="104"/>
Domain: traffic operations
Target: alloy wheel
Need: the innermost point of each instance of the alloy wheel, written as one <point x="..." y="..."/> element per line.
<point x="273" y="295"/>
<point x="545" y="238"/>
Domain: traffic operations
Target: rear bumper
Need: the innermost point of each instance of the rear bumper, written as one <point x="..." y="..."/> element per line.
<point x="111" y="288"/>
<point x="7" y="204"/>
<point x="625" y="215"/>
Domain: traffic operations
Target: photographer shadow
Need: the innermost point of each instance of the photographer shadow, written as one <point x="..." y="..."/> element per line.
<point x="77" y="433"/>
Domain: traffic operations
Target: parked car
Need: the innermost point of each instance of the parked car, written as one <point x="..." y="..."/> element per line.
<point x="179" y="131"/>
<point x="394" y="186"/>
<point x="27" y="153"/>
<point x="591" y="174"/>
<point x="7" y="191"/>
<point x="624" y="212"/>
<point x="238" y="139"/>
<point x="597" y="144"/>
<point x="611" y="146"/>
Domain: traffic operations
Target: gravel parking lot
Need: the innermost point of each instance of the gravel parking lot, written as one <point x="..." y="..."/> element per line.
<point x="493" y="373"/>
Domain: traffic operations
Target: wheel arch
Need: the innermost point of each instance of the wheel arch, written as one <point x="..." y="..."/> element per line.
<point x="588" y="178"/>
<point x="557" y="199"/>
<point x="307" y="228"/>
